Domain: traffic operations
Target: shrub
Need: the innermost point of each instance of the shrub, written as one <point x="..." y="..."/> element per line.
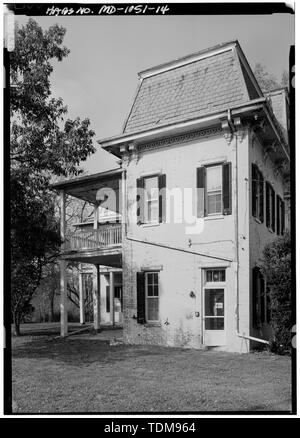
<point x="276" y="268"/>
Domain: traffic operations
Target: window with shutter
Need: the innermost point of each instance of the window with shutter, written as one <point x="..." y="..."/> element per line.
<point x="140" y="296"/>
<point x="107" y="299"/>
<point x="152" y="297"/>
<point x="282" y="217"/>
<point x="140" y="200"/>
<point x="214" y="192"/>
<point x="261" y="197"/>
<point x="257" y="193"/>
<point x="255" y="304"/>
<point x="260" y="304"/>
<point x="254" y="191"/>
<point x="273" y="224"/>
<point x="151" y="199"/>
<point x="226" y="188"/>
<point x="278" y="215"/>
<point x="268" y="205"/>
<point x="280" y="212"/>
<point x="162" y="197"/>
<point x="201" y="176"/>
<point x="213" y="189"/>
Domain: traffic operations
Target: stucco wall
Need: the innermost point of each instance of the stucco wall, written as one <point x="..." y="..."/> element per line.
<point x="181" y="272"/>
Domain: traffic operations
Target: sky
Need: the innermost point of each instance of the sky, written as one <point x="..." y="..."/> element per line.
<point x="98" y="79"/>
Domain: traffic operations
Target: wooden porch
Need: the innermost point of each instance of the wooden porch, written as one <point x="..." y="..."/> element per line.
<point x="94" y="243"/>
<point x="90" y="239"/>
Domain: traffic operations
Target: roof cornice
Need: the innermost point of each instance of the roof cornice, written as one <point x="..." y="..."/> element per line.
<point x="177" y="126"/>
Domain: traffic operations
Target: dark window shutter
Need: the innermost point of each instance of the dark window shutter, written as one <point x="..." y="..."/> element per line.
<point x="278" y="215"/>
<point x="201" y="176"/>
<point x="268" y="205"/>
<point x="140" y="200"/>
<point x="261" y="198"/>
<point x="140" y="296"/>
<point x="254" y="297"/>
<point x="226" y="176"/>
<point x="107" y="299"/>
<point x="273" y="209"/>
<point x="162" y="197"/>
<point x="282" y="217"/>
<point x="254" y="189"/>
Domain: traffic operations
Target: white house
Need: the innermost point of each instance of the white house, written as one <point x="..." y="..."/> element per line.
<point x="199" y="192"/>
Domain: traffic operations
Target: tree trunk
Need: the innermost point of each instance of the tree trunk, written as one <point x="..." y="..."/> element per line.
<point x="17" y="326"/>
<point x="51" y="302"/>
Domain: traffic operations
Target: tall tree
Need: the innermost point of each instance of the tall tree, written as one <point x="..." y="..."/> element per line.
<point x="276" y="267"/>
<point x="44" y="143"/>
<point x="266" y="80"/>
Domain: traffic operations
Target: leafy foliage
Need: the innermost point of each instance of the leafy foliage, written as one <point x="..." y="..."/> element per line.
<point x="277" y="270"/>
<point x="43" y="144"/>
<point x="268" y="81"/>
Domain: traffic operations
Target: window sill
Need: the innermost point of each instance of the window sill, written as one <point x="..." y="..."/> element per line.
<point x="154" y="224"/>
<point x="152" y="324"/>
<point x="257" y="220"/>
<point x="214" y="217"/>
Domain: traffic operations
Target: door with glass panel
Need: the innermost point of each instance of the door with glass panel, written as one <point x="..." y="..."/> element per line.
<point x="214" y="307"/>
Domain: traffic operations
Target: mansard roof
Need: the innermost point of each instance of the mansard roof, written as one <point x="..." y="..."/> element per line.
<point x="197" y="85"/>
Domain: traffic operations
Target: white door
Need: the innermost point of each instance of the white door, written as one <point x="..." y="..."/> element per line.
<point x="214" y="308"/>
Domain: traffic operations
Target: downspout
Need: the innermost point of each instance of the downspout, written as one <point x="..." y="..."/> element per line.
<point x="240" y="335"/>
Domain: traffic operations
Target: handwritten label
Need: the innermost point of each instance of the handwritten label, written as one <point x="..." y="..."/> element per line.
<point x="109" y="10"/>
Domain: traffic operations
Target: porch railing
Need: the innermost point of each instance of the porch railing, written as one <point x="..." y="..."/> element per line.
<point x="105" y="235"/>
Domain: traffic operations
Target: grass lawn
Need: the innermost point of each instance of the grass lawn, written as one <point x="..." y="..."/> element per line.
<point x="77" y="375"/>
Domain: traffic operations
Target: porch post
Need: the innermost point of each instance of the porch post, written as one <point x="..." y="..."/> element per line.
<point x="112" y="297"/>
<point x="81" y="298"/>
<point x="63" y="269"/>
<point x="96" y="298"/>
<point x="95" y="216"/>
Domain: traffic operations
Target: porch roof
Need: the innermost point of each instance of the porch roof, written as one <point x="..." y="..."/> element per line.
<point x="86" y="187"/>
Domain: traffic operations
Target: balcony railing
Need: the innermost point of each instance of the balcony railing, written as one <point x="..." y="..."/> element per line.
<point x="104" y="236"/>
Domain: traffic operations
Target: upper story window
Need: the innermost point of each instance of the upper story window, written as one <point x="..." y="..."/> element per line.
<point x="257" y="193"/>
<point x="151" y="199"/>
<point x="270" y="206"/>
<point x="280" y="213"/>
<point x="214" y="189"/>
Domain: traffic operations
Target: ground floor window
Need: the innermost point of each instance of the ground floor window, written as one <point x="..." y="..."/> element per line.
<point x="152" y="296"/>
<point x="214" y="299"/>
<point x="260" y="298"/>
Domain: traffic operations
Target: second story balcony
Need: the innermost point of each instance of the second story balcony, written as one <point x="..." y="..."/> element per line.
<point x="106" y="236"/>
<point x="97" y="240"/>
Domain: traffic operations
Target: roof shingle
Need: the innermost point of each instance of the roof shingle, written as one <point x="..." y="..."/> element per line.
<point x="189" y="91"/>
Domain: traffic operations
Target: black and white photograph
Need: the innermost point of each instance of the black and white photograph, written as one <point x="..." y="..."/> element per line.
<point x="149" y="231"/>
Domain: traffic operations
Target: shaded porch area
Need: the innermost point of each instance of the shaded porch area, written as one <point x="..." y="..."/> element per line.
<point x="95" y="245"/>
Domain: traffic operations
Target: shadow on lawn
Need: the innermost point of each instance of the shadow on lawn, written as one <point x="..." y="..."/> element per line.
<point x="79" y="352"/>
<point x="37" y="330"/>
